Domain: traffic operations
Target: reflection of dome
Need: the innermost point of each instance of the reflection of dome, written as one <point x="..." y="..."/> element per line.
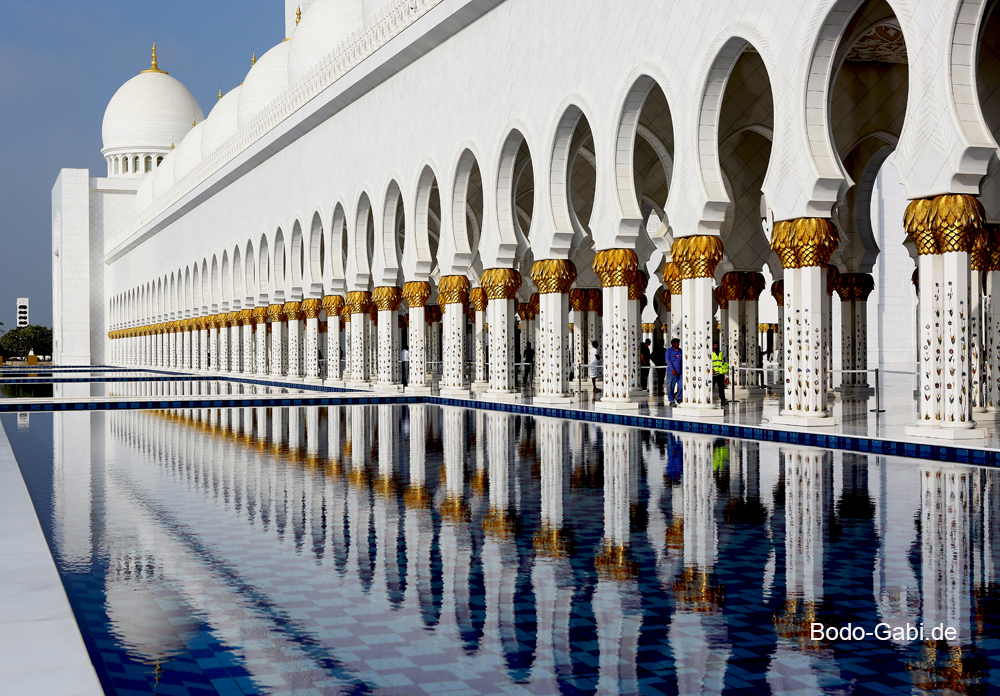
<point x="324" y="26"/>
<point x="139" y="623"/>
<point x="267" y="79"/>
<point x="149" y="113"/>
<point x="221" y="122"/>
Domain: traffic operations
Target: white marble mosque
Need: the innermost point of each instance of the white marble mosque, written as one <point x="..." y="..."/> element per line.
<point x="465" y="176"/>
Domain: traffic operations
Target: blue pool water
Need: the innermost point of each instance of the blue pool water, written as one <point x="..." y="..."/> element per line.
<point x="424" y="549"/>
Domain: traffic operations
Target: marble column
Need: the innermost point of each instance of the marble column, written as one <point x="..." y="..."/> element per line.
<point x="477" y="303"/>
<point x="991" y="323"/>
<point x="278" y="327"/>
<point x="553" y="278"/>
<point x="334" y="306"/>
<point x="202" y="346"/>
<point x="433" y="316"/>
<point x="452" y="295"/>
<point x="260" y="340"/>
<point x="213" y="342"/>
<point x="358" y="303"/>
<point x="979" y="261"/>
<point x="345" y="317"/>
<point x="696" y="258"/>
<point x="617" y="269"/>
<point x="804" y="247"/>
<point x="293" y="339"/>
<point x="416" y="293"/>
<point x="675" y="286"/>
<point x="189" y="341"/>
<point x="310" y="309"/>
<point x="943" y="230"/>
<point x="387" y="300"/>
<point x="580" y="346"/>
<point x="246" y="323"/>
<point x="501" y="286"/>
<point x="854" y="289"/>
<point x="778" y="293"/>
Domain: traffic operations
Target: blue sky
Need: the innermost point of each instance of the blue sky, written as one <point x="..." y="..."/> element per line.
<point x="60" y="63"/>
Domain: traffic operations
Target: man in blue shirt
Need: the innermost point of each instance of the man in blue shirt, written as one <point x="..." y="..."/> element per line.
<point x="674" y="371"/>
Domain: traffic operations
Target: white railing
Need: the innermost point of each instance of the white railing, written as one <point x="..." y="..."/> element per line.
<point x="390" y="22"/>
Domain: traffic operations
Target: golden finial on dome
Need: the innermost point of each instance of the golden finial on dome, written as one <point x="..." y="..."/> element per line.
<point x="253" y="58"/>
<point x="298" y="15"/>
<point x="220" y="91"/>
<point x="153" y="67"/>
<point x="193" y="121"/>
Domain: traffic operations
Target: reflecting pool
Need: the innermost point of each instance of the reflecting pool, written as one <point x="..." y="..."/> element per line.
<point x="400" y="549"/>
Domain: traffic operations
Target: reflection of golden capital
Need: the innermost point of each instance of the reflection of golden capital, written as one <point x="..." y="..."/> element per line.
<point x="553" y="542"/>
<point x="454" y="509"/>
<point x="672" y="278"/>
<point x="499" y="523"/>
<point x="453" y="289"/>
<point x="553" y="275"/>
<point x="944" y="223"/>
<point x="697" y="256"/>
<point x="312" y="307"/>
<point x="648" y="328"/>
<point x="615" y="561"/>
<point x="417" y="497"/>
<point x="778" y="292"/>
<point x="793" y="623"/>
<point x="334" y="305"/>
<point x="387" y="298"/>
<point x="358" y="302"/>
<point x="477" y="298"/>
<point x="500" y="283"/>
<point x="804" y="242"/>
<point x="696" y="590"/>
<point x="416" y="293"/>
<point x="616" y="267"/>
<point x="578" y="300"/>
<point x="275" y="312"/>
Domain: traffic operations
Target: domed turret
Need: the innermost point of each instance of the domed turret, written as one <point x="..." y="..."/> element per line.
<point x="324" y="27"/>
<point x="266" y="80"/>
<point x="147" y="116"/>
<point x="221" y="122"/>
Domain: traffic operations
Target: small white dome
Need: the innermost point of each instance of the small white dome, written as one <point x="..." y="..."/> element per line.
<point x="188" y="155"/>
<point x="149" y="112"/>
<point x="324" y="27"/>
<point x="163" y="176"/>
<point x="265" y="81"/>
<point x="221" y="122"/>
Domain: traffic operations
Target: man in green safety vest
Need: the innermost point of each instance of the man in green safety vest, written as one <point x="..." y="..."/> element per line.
<point x="720" y="370"/>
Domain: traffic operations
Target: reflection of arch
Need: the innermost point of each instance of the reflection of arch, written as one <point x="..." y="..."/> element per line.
<point x="420" y="246"/>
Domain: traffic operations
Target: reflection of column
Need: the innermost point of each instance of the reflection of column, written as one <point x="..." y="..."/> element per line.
<point x="456" y="540"/>
<point x="944" y="230"/>
<point x="359" y="504"/>
<point x="501" y="286"/>
<point x="553" y="278"/>
<point x="386" y="300"/>
<point x="696" y="258"/>
<point x="419" y="525"/>
<point x="358" y="303"/>
<point x="804" y="247"/>
<point x="617" y="269"/>
<point x="452" y="294"/>
<point x="477" y="302"/>
<point x="416" y="293"/>
<point x="388" y="577"/>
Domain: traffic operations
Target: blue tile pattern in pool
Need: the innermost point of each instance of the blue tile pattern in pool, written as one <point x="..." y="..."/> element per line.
<point x="414" y="548"/>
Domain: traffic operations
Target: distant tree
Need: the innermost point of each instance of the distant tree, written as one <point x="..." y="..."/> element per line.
<point x="17" y="343"/>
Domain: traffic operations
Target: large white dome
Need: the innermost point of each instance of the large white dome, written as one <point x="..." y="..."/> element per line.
<point x="152" y="111"/>
<point x="324" y="26"/>
<point x="221" y="122"/>
<point x="266" y="80"/>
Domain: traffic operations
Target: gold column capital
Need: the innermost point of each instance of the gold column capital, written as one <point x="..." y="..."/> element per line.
<point x="275" y="312"/>
<point x="292" y="311"/>
<point x="804" y="242"/>
<point x="453" y="289"/>
<point x="246" y="317"/>
<point x="387" y="298"/>
<point x="595" y="300"/>
<point x="312" y="307"/>
<point x="721" y="295"/>
<point x="832" y="279"/>
<point x="477" y="298"/>
<point x="637" y="289"/>
<point x="616" y="267"/>
<point x="672" y="278"/>
<point x="416" y="293"/>
<point x="233" y="318"/>
<point x="500" y="283"/>
<point x="432" y="313"/>
<point x="334" y="305"/>
<point x="778" y="292"/>
<point x="553" y="275"/>
<point x="697" y="256"/>
<point x="648" y="328"/>
<point x="358" y="302"/>
<point x="944" y="223"/>
<point x="259" y="315"/>
<point x="578" y="299"/>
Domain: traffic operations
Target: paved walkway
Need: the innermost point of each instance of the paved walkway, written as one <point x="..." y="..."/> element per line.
<point x="41" y="651"/>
